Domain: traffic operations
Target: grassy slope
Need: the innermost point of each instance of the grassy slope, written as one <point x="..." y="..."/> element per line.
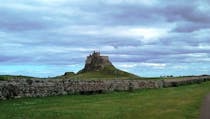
<point x="107" y="73"/>
<point x="169" y="103"/>
<point x="167" y="78"/>
<point x="8" y="77"/>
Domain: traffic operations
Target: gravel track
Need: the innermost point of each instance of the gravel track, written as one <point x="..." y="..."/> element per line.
<point x="205" y="109"/>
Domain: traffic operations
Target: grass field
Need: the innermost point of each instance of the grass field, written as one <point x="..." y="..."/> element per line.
<point x="166" y="103"/>
<point x="109" y="72"/>
<point x="8" y="77"/>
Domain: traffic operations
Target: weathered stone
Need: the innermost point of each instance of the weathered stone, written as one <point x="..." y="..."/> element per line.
<point x="41" y="88"/>
<point x="9" y="91"/>
<point x="185" y="81"/>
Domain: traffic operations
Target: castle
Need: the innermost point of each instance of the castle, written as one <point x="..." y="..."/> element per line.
<point x="96" y="62"/>
<point x="96" y="55"/>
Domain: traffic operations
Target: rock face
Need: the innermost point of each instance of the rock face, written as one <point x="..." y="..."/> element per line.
<point x="96" y="62"/>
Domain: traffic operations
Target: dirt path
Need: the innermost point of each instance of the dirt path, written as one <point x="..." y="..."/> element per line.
<point x="205" y="109"/>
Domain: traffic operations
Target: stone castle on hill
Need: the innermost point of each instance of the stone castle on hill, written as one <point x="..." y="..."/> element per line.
<point x="96" y="56"/>
<point x="96" y="62"/>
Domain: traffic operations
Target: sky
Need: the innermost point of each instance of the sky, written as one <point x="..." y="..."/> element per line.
<point x="46" y="38"/>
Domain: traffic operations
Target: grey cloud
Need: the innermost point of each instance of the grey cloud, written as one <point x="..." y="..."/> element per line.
<point x="190" y="27"/>
<point x="33" y="36"/>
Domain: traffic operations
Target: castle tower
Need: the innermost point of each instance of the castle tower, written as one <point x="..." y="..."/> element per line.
<point x="96" y="62"/>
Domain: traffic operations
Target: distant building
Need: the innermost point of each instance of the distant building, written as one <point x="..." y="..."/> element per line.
<point x="96" y="55"/>
<point x="96" y="62"/>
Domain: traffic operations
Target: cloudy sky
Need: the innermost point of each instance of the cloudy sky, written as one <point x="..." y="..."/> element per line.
<point x="146" y="37"/>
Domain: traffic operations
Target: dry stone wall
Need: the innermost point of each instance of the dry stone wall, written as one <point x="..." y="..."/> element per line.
<point x="41" y="88"/>
<point x="185" y="81"/>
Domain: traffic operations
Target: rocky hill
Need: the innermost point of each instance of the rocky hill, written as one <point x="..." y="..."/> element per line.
<point x="96" y="62"/>
<point x="97" y="66"/>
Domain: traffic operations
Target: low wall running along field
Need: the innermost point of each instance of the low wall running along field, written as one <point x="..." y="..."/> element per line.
<point x="40" y="88"/>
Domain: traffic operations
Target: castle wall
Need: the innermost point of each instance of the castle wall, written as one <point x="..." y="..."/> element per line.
<point x="41" y="88"/>
<point x="106" y="58"/>
<point x="88" y="60"/>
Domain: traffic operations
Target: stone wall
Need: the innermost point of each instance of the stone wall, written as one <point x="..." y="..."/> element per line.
<point x="185" y="81"/>
<point x="40" y="88"/>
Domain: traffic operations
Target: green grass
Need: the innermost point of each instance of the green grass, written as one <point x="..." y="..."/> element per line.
<point x="94" y="75"/>
<point x="166" y="103"/>
<point x="109" y="72"/>
<point x="170" y="78"/>
<point x="8" y="77"/>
